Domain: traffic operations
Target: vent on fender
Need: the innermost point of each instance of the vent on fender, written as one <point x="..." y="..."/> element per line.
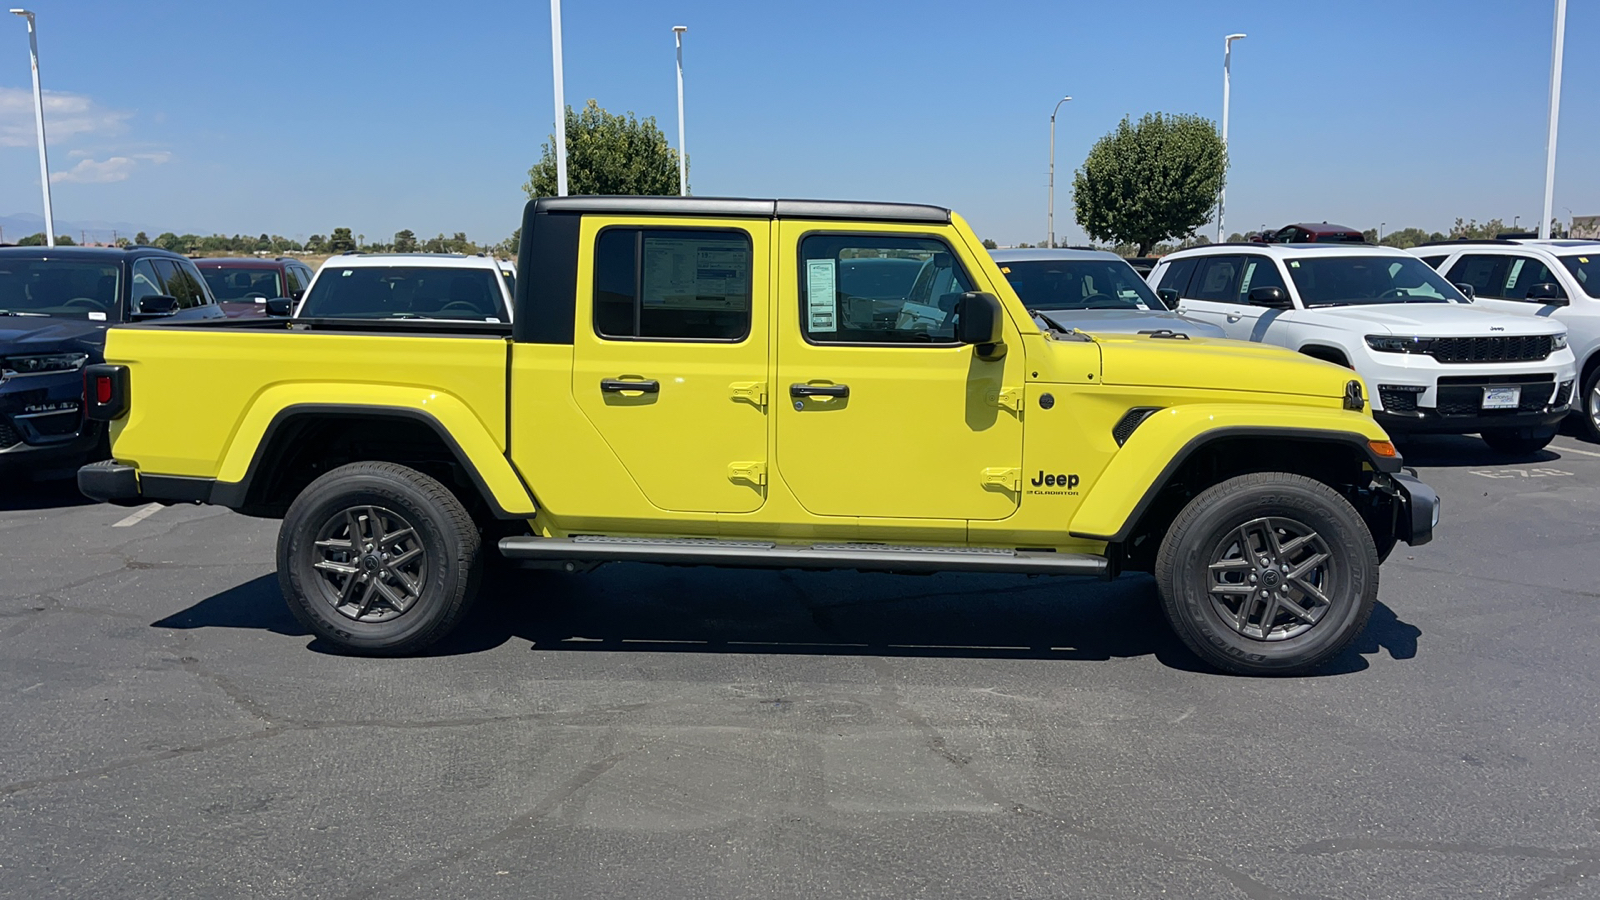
<point x="1131" y="421"/>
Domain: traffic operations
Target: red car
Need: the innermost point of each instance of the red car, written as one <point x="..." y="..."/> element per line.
<point x="243" y="285"/>
<point x="1311" y="233"/>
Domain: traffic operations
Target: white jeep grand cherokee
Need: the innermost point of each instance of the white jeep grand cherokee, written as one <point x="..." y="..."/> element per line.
<point x="1433" y="361"/>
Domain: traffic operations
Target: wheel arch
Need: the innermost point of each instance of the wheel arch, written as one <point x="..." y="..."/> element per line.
<point x="304" y="440"/>
<point x="1327" y="353"/>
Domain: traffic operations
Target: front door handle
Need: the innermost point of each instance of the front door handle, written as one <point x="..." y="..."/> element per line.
<point x="819" y="390"/>
<point x="618" y="386"/>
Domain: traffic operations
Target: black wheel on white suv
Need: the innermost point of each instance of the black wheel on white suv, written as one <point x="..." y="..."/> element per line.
<point x="1268" y="574"/>
<point x="378" y="558"/>
<point x="1589" y="404"/>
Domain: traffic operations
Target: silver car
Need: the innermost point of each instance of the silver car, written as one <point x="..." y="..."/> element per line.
<point x="1092" y="291"/>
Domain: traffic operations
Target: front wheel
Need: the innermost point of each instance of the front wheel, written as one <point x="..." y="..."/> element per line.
<point x="1588" y="404"/>
<point x="378" y="558"/>
<point x="1268" y="574"/>
<point x="1518" y="441"/>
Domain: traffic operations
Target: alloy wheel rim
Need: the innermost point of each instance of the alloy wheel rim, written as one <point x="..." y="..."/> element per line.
<point x="1594" y="405"/>
<point x="371" y="563"/>
<point x="1271" y="579"/>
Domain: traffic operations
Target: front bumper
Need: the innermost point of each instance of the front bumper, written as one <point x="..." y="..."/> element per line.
<point x="42" y="423"/>
<point x="1428" y="421"/>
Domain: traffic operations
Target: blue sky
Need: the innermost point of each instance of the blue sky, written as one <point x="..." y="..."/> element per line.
<point x="296" y="117"/>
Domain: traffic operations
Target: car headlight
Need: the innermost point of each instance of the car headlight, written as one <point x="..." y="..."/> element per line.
<point x="44" y="362"/>
<point x="1385" y="343"/>
<point x="1559" y="342"/>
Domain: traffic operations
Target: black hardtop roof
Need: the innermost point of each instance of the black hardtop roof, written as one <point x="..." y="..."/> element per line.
<point x="738" y="207"/>
<point x="118" y="253"/>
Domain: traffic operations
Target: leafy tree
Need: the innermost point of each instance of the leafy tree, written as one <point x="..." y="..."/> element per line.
<point x="1473" y="231"/>
<point x="405" y="241"/>
<point x="142" y="239"/>
<point x="1144" y="183"/>
<point x="122" y="242"/>
<point x="608" y="154"/>
<point x="166" y="240"/>
<point x="37" y="240"/>
<point x="341" y="241"/>
<point x="987" y="244"/>
<point x="316" y="244"/>
<point x="511" y="245"/>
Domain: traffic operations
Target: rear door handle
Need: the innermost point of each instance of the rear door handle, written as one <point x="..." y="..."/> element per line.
<point x="819" y="390"/>
<point x="618" y="386"/>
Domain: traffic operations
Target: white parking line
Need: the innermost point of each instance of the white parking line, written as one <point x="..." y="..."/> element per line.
<point x="138" y="515"/>
<point x="1560" y="449"/>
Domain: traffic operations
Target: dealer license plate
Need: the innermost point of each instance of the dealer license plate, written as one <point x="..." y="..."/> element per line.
<point x="1502" y="397"/>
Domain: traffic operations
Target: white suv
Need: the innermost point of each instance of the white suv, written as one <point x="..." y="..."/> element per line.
<point x="1433" y="362"/>
<point x="410" y="286"/>
<point x="1557" y="280"/>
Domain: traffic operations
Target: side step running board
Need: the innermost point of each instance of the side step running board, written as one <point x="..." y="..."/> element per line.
<point x="766" y="555"/>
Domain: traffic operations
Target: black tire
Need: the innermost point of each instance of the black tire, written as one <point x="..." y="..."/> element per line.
<point x="1587" y="405"/>
<point x="413" y="567"/>
<point x="1204" y="550"/>
<point x="1518" y="441"/>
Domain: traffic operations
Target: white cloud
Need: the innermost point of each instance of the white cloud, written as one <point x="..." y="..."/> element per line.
<point x="66" y="115"/>
<point x="116" y="168"/>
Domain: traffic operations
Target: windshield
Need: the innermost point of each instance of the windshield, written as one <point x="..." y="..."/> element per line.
<point x="1587" y="270"/>
<point x="1362" y="280"/>
<point x="59" y="287"/>
<point x="242" y="285"/>
<point x="405" y="292"/>
<point x="1079" y="284"/>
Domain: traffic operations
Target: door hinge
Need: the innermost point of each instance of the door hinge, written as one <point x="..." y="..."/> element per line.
<point x="748" y="472"/>
<point x="1007" y="398"/>
<point x="1005" y="479"/>
<point x="753" y="391"/>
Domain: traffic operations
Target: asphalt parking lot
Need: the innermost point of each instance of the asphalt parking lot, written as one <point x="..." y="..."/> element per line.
<point x="170" y="731"/>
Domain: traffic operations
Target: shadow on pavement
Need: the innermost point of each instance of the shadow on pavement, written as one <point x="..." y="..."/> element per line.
<point x="624" y="608"/>
<point x="21" y="494"/>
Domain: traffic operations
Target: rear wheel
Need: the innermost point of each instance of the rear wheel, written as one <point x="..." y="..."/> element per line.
<point x="378" y="558"/>
<point x="1268" y="574"/>
<point x="1518" y="441"/>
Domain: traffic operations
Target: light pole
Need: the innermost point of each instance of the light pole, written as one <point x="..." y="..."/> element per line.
<point x="1516" y="221"/>
<point x="561" y="106"/>
<point x="1555" y="115"/>
<point x="1050" y="217"/>
<point x="683" y="156"/>
<point x="38" y="118"/>
<point x="1380" y="231"/>
<point x="1227" y="60"/>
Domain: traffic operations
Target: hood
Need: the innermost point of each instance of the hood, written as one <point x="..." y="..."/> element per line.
<point x="1127" y="321"/>
<point x="29" y="334"/>
<point x="1220" y="365"/>
<point x="1427" y="320"/>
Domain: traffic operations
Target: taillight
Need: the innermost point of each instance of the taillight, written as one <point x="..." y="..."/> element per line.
<point x="102" y="389"/>
<point x="105" y="392"/>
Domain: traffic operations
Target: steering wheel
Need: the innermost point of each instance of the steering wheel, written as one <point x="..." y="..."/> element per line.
<point x="461" y="306"/>
<point x="1394" y="292"/>
<point x="1103" y="301"/>
<point x="85" y="301"/>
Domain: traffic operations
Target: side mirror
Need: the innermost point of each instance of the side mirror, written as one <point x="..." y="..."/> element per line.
<point x="152" y="305"/>
<point x="1271" y="297"/>
<point x="981" y="322"/>
<point x="1169" y="296"/>
<point x="1548" y="292"/>
<point x="1466" y="291"/>
<point x="280" y="307"/>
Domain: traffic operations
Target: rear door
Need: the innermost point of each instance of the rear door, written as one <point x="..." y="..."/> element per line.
<point x="670" y="355"/>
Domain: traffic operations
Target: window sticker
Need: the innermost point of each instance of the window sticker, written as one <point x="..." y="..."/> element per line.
<point x="691" y="273"/>
<point x="822" y="299"/>
<point x="1294" y="263"/>
<point x="1249" y="273"/>
<point x="1584" y="260"/>
<point x="1516" y="271"/>
<point x="97" y="317"/>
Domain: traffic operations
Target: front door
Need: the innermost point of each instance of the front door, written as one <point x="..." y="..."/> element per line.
<point x="670" y="356"/>
<point x="880" y="412"/>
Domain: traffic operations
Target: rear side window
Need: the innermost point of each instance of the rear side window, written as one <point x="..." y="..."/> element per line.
<point x="672" y="285"/>
<point x="1176" y="277"/>
<point x="897" y="306"/>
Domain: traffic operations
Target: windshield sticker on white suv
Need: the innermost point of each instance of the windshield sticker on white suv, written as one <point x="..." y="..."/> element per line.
<point x="822" y="300"/>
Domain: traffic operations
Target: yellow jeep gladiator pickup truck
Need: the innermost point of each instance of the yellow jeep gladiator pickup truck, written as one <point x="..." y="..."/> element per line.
<point x="770" y="383"/>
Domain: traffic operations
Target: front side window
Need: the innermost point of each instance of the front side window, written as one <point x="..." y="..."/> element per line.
<point x="405" y="292"/>
<point x="1176" y="277"/>
<point x="294" y="283"/>
<point x="1079" y="284"/>
<point x="1523" y="273"/>
<point x="908" y="287"/>
<point x="181" y="283"/>
<point x="1259" y="271"/>
<point x="1587" y="270"/>
<point x="242" y="285"/>
<point x="1367" y="280"/>
<point x="1484" y="271"/>
<point x="666" y="284"/>
<point x="1217" y="279"/>
<point x="1434" y="261"/>
<point x="146" y="282"/>
<point x="58" y="287"/>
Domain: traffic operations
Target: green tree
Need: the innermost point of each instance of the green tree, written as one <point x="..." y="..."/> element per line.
<point x="1144" y="183"/>
<point x="989" y="244"/>
<point x="342" y="241"/>
<point x="142" y="239"/>
<point x="508" y="248"/>
<point x="608" y="154"/>
<point x="316" y="244"/>
<point x="1473" y="231"/>
<point x="405" y="241"/>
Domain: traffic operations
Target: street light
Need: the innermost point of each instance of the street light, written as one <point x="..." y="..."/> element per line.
<point x="38" y="118"/>
<point x="561" y="106"/>
<point x="1555" y="116"/>
<point x="1380" y="231"/>
<point x="1227" y="59"/>
<point x="1515" y="222"/>
<point x="1050" y="218"/>
<point x="683" y="156"/>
